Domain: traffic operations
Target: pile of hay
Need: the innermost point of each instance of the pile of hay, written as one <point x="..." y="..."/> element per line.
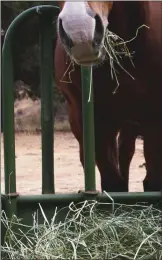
<point x="127" y="232"/>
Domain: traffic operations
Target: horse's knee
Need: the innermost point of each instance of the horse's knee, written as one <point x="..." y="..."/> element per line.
<point x="107" y="163"/>
<point x="126" y="149"/>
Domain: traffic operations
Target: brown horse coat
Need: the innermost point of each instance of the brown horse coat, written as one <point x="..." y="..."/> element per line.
<point x="138" y="100"/>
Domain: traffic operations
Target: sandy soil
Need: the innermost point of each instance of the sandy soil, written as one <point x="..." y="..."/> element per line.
<point x="68" y="170"/>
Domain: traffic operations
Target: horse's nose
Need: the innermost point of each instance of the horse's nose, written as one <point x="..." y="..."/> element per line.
<point x="99" y="31"/>
<point x="82" y="37"/>
<point x="64" y="36"/>
<point x="97" y="38"/>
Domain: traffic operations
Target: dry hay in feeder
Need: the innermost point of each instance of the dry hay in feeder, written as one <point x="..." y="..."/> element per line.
<point x="123" y="232"/>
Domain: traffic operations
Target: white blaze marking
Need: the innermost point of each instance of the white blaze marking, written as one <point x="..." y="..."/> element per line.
<point x="77" y="22"/>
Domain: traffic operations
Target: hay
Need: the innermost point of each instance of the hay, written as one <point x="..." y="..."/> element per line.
<point x="116" y="48"/>
<point x="126" y="232"/>
<point x="69" y="73"/>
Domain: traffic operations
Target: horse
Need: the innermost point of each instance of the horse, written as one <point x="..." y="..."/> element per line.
<point x="126" y="146"/>
<point x="82" y="32"/>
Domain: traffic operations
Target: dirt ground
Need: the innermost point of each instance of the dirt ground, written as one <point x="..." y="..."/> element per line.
<point x="68" y="170"/>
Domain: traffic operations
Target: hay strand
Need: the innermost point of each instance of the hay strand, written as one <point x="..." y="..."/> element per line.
<point x="126" y="232"/>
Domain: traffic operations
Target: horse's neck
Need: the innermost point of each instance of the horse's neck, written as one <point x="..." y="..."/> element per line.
<point x="126" y="17"/>
<point x="154" y="19"/>
<point x="147" y="13"/>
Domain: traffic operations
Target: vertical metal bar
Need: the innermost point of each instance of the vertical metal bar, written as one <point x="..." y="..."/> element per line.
<point x="8" y="115"/>
<point x="88" y="129"/>
<point x="47" y="92"/>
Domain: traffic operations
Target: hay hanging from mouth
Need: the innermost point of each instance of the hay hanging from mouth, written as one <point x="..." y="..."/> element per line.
<point x="69" y="72"/>
<point x="116" y="48"/>
<point x="123" y="232"/>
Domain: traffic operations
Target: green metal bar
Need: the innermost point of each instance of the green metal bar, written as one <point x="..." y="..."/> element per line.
<point x="8" y="114"/>
<point x="132" y="196"/>
<point x="116" y="196"/>
<point x="47" y="95"/>
<point x="8" y="94"/>
<point x="88" y="129"/>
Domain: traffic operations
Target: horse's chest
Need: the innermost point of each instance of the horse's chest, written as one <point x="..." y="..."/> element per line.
<point x="134" y="100"/>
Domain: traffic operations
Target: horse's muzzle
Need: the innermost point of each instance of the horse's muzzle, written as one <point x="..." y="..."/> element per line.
<point x="84" y="53"/>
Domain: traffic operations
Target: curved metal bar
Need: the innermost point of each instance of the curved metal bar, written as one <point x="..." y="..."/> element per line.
<point x="8" y="93"/>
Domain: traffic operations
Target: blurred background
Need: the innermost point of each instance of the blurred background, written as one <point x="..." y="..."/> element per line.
<point x="26" y="66"/>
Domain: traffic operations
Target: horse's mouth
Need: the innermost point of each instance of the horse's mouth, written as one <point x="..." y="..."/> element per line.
<point x="86" y="55"/>
<point x="88" y="62"/>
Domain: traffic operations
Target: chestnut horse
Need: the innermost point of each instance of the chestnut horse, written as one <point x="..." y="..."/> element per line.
<point x="81" y="37"/>
<point x="126" y="146"/>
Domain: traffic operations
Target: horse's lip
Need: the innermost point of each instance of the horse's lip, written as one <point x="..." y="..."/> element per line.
<point x="88" y="62"/>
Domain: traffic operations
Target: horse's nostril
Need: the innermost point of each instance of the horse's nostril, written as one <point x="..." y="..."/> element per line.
<point x="99" y="30"/>
<point x="63" y="35"/>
